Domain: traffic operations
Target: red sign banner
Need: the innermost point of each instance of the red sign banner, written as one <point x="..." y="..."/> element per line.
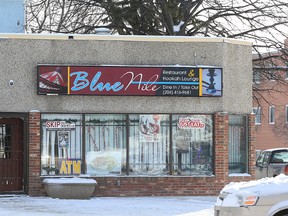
<point x="180" y="81"/>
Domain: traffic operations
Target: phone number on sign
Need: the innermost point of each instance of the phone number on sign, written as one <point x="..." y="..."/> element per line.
<point x="176" y="92"/>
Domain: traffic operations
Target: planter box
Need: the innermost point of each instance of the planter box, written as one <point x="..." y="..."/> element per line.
<point x="69" y="188"/>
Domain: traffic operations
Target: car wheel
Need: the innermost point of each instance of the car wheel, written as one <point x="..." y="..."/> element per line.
<point x="282" y="213"/>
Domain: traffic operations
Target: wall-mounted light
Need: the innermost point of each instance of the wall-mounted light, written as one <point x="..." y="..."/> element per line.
<point x="11" y="82"/>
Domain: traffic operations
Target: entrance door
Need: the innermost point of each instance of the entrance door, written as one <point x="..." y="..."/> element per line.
<point x="11" y="155"/>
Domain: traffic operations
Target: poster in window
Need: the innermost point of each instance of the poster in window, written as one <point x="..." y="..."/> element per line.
<point x="103" y="162"/>
<point x="63" y="139"/>
<point x="190" y="122"/>
<point x="149" y="128"/>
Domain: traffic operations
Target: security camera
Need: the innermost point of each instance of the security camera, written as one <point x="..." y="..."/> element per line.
<point x="11" y="82"/>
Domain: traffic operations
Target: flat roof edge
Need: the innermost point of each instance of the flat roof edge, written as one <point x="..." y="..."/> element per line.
<point x="122" y="38"/>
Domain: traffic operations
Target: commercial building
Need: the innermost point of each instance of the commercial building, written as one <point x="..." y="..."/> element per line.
<point x="141" y="115"/>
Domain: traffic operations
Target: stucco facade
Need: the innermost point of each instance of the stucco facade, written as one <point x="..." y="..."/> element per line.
<point x="21" y="55"/>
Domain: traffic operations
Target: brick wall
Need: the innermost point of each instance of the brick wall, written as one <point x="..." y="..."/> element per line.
<point x="272" y="135"/>
<point x="156" y="186"/>
<point x="221" y="138"/>
<point x="252" y="141"/>
<point x="34" y="159"/>
<point x="152" y="186"/>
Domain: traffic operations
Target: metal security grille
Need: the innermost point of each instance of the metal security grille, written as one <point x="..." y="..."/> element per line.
<point x="5" y="141"/>
<point x="238" y="149"/>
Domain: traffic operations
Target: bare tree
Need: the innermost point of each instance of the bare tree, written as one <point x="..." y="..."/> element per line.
<point x="270" y="75"/>
<point x="264" y="22"/>
<point x="61" y="16"/>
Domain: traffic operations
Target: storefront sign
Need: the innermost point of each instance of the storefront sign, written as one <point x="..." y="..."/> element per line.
<point x="55" y="125"/>
<point x="70" y="166"/>
<point x="177" y="81"/>
<point x="190" y="123"/>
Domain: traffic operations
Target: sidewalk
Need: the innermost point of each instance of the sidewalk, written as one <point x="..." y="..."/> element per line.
<point x="107" y="206"/>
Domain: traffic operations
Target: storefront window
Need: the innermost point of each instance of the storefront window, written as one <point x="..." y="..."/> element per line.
<point x="148" y="144"/>
<point x="126" y="144"/>
<point x="238" y="148"/>
<point x="192" y="144"/>
<point x="61" y="147"/>
<point x="105" y="144"/>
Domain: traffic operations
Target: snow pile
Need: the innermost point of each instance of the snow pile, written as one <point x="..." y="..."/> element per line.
<point x="278" y="184"/>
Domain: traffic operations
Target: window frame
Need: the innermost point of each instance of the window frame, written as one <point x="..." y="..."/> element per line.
<point x="257" y="76"/>
<point x="258" y="115"/>
<point x="271" y="114"/>
<point x="200" y="151"/>
<point x="286" y="113"/>
<point x="271" y="75"/>
<point x="99" y="145"/>
<point x="48" y="164"/>
<point x="233" y="163"/>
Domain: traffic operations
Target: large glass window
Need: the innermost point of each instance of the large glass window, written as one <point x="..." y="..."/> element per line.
<point x="126" y="144"/>
<point x="192" y="144"/>
<point x="105" y="144"/>
<point x="148" y="144"/>
<point x="238" y="148"/>
<point x="61" y="147"/>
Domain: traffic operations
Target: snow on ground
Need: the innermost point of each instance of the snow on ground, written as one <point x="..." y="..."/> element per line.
<point x="132" y="206"/>
<point x="107" y="206"/>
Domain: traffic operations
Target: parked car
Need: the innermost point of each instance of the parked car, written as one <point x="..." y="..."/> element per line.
<point x="272" y="162"/>
<point x="262" y="197"/>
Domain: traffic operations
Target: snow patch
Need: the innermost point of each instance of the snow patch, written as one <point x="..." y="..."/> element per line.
<point x="239" y="174"/>
<point x="74" y="180"/>
<point x="274" y="185"/>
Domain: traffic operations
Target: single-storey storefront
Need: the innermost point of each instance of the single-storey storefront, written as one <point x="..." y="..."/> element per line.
<point x="142" y="116"/>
